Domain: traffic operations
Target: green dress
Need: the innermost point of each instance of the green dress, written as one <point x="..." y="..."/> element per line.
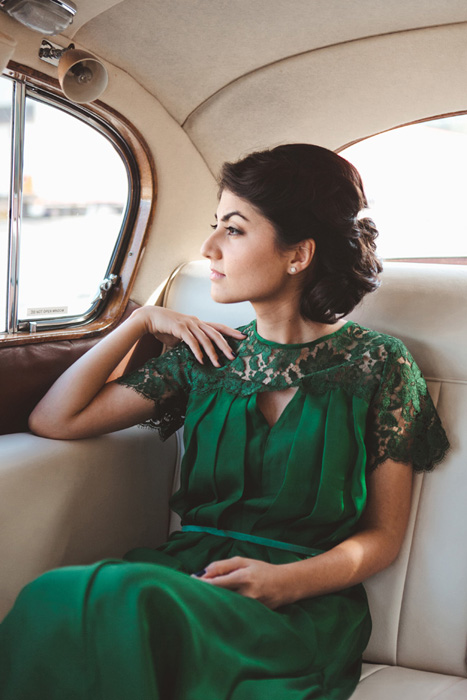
<point x="144" y="628"/>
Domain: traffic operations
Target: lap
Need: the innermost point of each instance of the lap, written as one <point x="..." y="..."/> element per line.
<point x="126" y="625"/>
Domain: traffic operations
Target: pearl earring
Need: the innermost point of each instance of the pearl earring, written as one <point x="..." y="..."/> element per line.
<point x="293" y="270"/>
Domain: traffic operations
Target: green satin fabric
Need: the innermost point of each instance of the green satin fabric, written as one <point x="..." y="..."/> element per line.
<point x="118" y="631"/>
<point x="143" y="628"/>
<point x="301" y="481"/>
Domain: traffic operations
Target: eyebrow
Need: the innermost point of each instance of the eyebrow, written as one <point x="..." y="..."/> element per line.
<point x="226" y="217"/>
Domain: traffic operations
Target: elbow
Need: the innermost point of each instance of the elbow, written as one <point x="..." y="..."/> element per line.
<point x="34" y="423"/>
<point x="386" y="561"/>
<point x="378" y="550"/>
<point x="45" y="426"/>
<point x="37" y="425"/>
<point x="394" y="552"/>
<point x="389" y="552"/>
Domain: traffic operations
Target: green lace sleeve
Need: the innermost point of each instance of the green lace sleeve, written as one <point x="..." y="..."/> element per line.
<point x="403" y="422"/>
<point x="164" y="380"/>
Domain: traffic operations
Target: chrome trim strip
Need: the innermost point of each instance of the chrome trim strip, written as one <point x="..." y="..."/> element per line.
<point x="16" y="196"/>
<point x="68" y="6"/>
<point x="105" y="288"/>
<point x="64" y="4"/>
<point x="45" y="324"/>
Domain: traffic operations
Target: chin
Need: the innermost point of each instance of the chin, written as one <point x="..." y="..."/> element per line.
<point x="220" y="298"/>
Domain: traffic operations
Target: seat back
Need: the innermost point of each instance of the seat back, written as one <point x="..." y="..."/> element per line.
<point x="418" y="604"/>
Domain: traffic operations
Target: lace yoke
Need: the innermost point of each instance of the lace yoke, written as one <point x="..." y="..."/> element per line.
<point x="402" y="422"/>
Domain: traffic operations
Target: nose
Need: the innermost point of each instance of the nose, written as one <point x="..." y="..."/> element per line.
<point x="210" y="249"/>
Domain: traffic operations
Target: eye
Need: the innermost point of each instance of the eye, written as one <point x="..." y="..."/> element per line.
<point x="213" y="226"/>
<point x="232" y="231"/>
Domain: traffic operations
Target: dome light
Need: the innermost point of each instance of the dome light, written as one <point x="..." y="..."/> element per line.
<point x="45" y="16"/>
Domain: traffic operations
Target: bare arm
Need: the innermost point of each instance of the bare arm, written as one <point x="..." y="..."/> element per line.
<point x="370" y="550"/>
<point x="81" y="404"/>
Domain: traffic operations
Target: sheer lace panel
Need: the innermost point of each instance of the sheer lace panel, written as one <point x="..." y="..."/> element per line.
<point x="164" y="381"/>
<point x="402" y="422"/>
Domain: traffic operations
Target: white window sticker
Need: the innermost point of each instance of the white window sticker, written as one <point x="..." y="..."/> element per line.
<point x="48" y="311"/>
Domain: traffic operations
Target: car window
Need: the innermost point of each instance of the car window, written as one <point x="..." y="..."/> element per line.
<point x="415" y="180"/>
<point x="75" y="197"/>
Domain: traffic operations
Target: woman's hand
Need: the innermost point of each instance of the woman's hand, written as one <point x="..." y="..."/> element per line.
<point x="170" y="327"/>
<point x="267" y="583"/>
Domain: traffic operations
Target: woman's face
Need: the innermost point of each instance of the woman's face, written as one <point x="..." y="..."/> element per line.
<point x="246" y="264"/>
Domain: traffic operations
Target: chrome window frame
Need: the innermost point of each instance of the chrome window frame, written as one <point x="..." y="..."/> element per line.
<point x="22" y="89"/>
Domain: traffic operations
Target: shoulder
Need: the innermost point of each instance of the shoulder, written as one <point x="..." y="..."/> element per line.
<point x="398" y="378"/>
<point x="378" y="344"/>
<point x="385" y="358"/>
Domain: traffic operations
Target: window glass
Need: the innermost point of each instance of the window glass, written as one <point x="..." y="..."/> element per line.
<point x="415" y="180"/>
<point x="5" y="150"/>
<point x="75" y="192"/>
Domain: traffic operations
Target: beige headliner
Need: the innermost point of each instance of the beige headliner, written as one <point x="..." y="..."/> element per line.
<point x="184" y="51"/>
<point x="253" y="73"/>
<point x="242" y="74"/>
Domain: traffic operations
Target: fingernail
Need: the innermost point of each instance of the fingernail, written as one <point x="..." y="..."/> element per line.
<point x="199" y="573"/>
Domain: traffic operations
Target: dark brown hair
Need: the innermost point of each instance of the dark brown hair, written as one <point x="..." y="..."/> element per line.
<point x="308" y="191"/>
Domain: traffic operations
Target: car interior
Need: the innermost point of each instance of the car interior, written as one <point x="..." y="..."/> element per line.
<point x="184" y="86"/>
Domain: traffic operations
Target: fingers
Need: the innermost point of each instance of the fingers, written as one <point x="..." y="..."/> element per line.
<point x="227" y="330"/>
<point x="225" y="566"/>
<point x="249" y="577"/>
<point x="202" y="337"/>
<point x="227" y="573"/>
<point x="208" y="337"/>
<point x="194" y="344"/>
<point x="216" y="339"/>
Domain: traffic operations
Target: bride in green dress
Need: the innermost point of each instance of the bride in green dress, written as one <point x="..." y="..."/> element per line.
<point x="302" y="431"/>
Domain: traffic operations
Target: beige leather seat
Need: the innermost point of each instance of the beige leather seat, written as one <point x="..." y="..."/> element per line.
<point x="419" y="605"/>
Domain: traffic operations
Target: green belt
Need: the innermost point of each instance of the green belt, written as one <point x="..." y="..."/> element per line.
<point x="243" y="537"/>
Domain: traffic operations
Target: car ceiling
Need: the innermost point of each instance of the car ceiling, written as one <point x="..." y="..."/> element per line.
<point x="185" y="51"/>
<point x="207" y="61"/>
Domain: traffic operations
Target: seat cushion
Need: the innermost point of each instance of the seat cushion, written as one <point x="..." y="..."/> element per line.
<point x="379" y="682"/>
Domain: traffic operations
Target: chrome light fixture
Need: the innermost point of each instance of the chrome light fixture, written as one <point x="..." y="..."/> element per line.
<point x="45" y="16"/>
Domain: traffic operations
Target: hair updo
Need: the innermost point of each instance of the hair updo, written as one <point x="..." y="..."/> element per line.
<point x="305" y="192"/>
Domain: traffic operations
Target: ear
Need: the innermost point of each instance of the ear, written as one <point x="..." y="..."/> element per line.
<point x="302" y="256"/>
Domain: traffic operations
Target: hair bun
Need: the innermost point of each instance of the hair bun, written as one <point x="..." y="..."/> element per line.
<point x="368" y="231"/>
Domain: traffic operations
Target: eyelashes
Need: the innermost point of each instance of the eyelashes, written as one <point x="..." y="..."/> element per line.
<point x="231" y="230"/>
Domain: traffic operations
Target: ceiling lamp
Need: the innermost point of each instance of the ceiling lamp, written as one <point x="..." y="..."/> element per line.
<point x="45" y="16"/>
<point x="82" y="77"/>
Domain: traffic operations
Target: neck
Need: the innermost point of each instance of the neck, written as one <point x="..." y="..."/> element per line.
<point x="286" y="326"/>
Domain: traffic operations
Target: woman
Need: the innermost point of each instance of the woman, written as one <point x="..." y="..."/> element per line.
<point x="301" y="431"/>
